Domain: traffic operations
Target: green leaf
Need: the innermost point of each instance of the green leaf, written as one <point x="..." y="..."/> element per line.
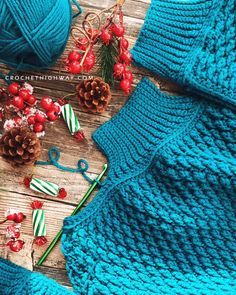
<point x="107" y="58"/>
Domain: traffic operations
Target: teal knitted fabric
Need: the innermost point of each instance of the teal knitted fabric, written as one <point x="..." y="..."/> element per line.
<point x="192" y="42"/>
<point x="15" y="280"/>
<point x="164" y="222"/>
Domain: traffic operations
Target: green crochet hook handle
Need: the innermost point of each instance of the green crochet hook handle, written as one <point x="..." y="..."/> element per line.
<point x="77" y="209"/>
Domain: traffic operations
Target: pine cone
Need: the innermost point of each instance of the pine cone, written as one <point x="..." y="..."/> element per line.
<point x="93" y="95"/>
<point x="20" y="146"/>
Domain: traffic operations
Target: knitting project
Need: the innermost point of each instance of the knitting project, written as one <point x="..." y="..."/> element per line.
<point x="164" y="220"/>
<point x="193" y="43"/>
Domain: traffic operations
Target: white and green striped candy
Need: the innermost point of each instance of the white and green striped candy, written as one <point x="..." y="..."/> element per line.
<point x="45" y="187"/>
<point x="39" y="223"/>
<point x="70" y="118"/>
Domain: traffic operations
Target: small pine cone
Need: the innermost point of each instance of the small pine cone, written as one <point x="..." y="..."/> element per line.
<point x="20" y="146"/>
<point x="93" y="95"/>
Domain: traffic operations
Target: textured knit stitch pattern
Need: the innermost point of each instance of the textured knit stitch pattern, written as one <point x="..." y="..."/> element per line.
<point x="193" y="43"/>
<point x="164" y="222"/>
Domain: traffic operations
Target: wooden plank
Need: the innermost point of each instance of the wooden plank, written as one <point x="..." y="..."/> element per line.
<point x="59" y="275"/>
<point x="132" y="8"/>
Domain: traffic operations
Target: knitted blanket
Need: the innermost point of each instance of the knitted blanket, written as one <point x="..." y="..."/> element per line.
<point x="164" y="221"/>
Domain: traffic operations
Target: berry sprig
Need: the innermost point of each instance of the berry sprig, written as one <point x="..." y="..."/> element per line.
<point x="113" y="51"/>
<point x="13" y="230"/>
<point x="52" y="108"/>
<point x="13" y="215"/>
<point x="123" y="58"/>
<point x="22" y="97"/>
<point x="120" y="69"/>
<point x="23" y="104"/>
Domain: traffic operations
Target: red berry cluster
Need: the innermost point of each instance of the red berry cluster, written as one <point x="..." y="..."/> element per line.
<point x="13" y="230"/>
<point x="21" y="97"/>
<point x="16" y="217"/>
<point x="23" y="101"/>
<point x="76" y="66"/>
<point x="77" y="62"/>
<point x="15" y="245"/>
<point x="120" y="69"/>
<point x="52" y="108"/>
<point x="124" y="58"/>
<point x="36" y="122"/>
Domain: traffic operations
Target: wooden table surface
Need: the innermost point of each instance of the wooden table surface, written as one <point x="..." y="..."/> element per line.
<point x="13" y="194"/>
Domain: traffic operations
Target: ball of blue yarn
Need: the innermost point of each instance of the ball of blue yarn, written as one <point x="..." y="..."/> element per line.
<point x="34" y="33"/>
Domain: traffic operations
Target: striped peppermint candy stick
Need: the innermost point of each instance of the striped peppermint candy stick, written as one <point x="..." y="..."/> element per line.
<point x="45" y="187"/>
<point x="72" y="122"/>
<point x="39" y="223"/>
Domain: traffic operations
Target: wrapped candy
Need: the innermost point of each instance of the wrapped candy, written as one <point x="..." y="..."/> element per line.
<point x="15" y="245"/>
<point x="39" y="223"/>
<point x="13" y="231"/>
<point x="72" y="122"/>
<point x="45" y="187"/>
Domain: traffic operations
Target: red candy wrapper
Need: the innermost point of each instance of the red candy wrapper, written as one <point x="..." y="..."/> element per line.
<point x="13" y="231"/>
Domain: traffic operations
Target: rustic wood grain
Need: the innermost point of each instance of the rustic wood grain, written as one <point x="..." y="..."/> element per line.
<point x="59" y="275"/>
<point x="12" y="192"/>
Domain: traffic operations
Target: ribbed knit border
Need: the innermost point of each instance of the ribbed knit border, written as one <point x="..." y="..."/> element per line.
<point x="171" y="42"/>
<point x="169" y="33"/>
<point x="149" y="120"/>
<point x="12" y="277"/>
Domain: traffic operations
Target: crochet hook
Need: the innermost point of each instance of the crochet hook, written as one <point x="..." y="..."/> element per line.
<point x="76" y="210"/>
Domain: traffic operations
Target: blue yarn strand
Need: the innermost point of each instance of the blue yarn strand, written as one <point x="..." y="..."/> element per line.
<point x="78" y="7"/>
<point x="54" y="156"/>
